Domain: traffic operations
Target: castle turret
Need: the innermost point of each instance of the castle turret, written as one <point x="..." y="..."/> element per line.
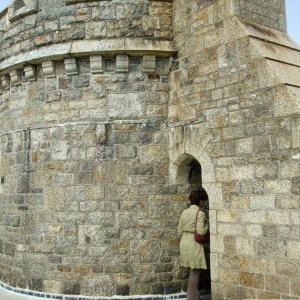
<point x="84" y="148"/>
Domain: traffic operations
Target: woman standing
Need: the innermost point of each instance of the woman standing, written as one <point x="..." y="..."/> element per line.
<point x="191" y="252"/>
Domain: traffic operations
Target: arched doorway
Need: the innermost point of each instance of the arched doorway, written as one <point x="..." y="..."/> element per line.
<point x="189" y="175"/>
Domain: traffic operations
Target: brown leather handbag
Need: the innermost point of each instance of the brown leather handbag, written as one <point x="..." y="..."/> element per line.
<point x="202" y="239"/>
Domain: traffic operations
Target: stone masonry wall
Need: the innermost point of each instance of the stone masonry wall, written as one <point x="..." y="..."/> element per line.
<point x="234" y="107"/>
<point x="268" y="13"/>
<point x="62" y="21"/>
<point x="105" y="109"/>
<point x="84" y="166"/>
<point x="85" y="205"/>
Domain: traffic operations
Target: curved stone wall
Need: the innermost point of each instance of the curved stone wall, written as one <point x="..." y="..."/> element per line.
<point x="105" y="127"/>
<point x="84" y="196"/>
<point x="58" y="22"/>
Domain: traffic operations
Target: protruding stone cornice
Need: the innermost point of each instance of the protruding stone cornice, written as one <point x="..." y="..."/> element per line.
<point x="121" y="64"/>
<point x="78" y="1"/>
<point x="129" y="46"/>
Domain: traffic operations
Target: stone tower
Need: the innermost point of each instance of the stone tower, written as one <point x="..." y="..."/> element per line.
<point x="110" y="111"/>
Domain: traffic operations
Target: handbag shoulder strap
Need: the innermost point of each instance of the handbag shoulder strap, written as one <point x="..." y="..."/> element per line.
<point x="196" y="220"/>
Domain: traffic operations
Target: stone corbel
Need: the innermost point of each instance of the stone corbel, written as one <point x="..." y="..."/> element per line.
<point x="122" y="63"/>
<point x="48" y="68"/>
<point x="30" y="72"/>
<point x="71" y="67"/>
<point x="149" y="63"/>
<point x="5" y="82"/>
<point x="16" y="77"/>
<point x="96" y="64"/>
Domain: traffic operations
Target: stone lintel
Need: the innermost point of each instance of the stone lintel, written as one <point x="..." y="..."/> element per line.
<point x="128" y="46"/>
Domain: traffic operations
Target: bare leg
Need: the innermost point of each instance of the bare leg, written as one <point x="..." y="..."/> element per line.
<point x="192" y="289"/>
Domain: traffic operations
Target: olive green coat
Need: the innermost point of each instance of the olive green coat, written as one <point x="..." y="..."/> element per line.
<point x="191" y="252"/>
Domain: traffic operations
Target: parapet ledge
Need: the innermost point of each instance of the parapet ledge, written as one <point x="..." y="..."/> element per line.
<point x="280" y="66"/>
<point x="279" y="58"/>
<point x="236" y="28"/>
<point x="79" y="1"/>
<point x="128" y="46"/>
<point x="281" y="61"/>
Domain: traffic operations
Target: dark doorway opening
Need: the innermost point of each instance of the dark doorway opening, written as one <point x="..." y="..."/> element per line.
<point x="190" y="174"/>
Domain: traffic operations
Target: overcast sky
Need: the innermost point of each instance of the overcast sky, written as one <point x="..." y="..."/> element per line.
<point x="293" y="16"/>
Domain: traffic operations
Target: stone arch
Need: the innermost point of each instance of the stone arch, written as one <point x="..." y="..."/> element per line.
<point x="182" y="165"/>
<point x="186" y="144"/>
<point x="188" y="171"/>
<point x="189" y="177"/>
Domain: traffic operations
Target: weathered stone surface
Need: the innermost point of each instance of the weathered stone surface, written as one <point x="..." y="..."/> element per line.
<point x="53" y="286"/>
<point x="262" y="202"/>
<point x="5" y="81"/>
<point x="55" y="198"/>
<point x="98" y="284"/>
<point x="96" y="64"/>
<point x="16" y="77"/>
<point x="293" y="249"/>
<point x="271" y="248"/>
<point x="126" y="105"/>
<point x="287" y="101"/>
<point x="48" y="68"/>
<point x="96" y="30"/>
<point x="252" y="280"/>
<point x="261" y="294"/>
<point x="71" y="66"/>
<point x="30" y="72"/>
<point x="111" y="112"/>
<point x="276" y="283"/>
<point x="295" y="287"/>
<point x="122" y="63"/>
<point x="149" y="63"/>
<point x="238" y="292"/>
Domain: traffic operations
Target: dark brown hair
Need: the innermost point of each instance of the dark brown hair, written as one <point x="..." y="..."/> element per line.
<point x="198" y="195"/>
